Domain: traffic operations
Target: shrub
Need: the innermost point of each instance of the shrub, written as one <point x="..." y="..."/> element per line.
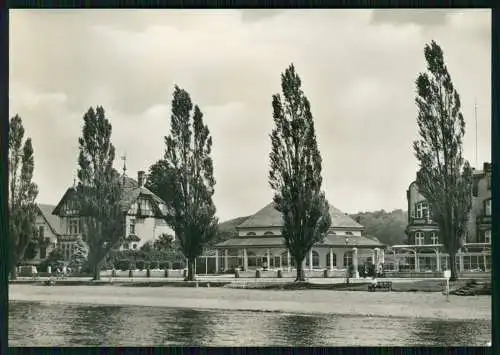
<point x="123" y="265"/>
<point x="177" y="265"/>
<point x="163" y="265"/>
<point x="140" y="265"/>
<point x="361" y="270"/>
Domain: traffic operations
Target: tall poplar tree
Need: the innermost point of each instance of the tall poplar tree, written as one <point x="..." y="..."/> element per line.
<point x="184" y="179"/>
<point x="99" y="191"/>
<point x="22" y="193"/>
<point x="444" y="177"/>
<point x="295" y="174"/>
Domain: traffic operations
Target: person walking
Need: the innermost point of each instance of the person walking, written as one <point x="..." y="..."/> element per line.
<point x="34" y="272"/>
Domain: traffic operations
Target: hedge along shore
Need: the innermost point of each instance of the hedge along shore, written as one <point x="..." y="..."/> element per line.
<point x="383" y="304"/>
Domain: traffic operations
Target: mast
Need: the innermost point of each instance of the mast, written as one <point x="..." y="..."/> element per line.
<point x="475" y="118"/>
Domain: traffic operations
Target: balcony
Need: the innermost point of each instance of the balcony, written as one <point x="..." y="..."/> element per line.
<point x="483" y="219"/>
<point x="421" y="221"/>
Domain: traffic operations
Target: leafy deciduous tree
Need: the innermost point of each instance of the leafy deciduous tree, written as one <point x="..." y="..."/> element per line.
<point x="99" y="191"/>
<point x="444" y="177"/>
<point x="22" y="191"/>
<point x="184" y="179"/>
<point x="295" y="174"/>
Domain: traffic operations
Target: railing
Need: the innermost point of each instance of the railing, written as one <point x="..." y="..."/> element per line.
<point x="483" y="219"/>
<point x="422" y="220"/>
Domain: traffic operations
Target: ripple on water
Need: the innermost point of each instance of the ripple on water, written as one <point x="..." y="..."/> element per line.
<point x="45" y="324"/>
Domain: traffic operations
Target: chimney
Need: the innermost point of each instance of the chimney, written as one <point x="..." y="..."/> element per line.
<point x="140" y="178"/>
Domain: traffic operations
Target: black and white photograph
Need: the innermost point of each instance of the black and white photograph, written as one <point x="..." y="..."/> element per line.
<point x="250" y="177"/>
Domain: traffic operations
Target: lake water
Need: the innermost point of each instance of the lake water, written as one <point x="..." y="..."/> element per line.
<point x="51" y="324"/>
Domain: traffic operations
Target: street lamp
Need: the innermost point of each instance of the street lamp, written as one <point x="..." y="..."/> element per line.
<point x="347" y="264"/>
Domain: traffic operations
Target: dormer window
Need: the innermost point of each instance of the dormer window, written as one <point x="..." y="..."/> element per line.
<point x="144" y="207"/>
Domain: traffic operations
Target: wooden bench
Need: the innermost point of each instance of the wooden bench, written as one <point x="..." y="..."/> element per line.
<point x="380" y="285"/>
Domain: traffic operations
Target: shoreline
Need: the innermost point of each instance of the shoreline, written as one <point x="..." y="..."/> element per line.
<point x="307" y="302"/>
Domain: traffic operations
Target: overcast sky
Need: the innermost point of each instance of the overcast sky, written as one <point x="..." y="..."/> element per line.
<point x="358" y="70"/>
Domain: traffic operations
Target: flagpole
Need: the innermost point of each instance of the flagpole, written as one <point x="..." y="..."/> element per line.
<point x="475" y="118"/>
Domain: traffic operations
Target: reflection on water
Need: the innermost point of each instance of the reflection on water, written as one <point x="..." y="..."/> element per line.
<point x="44" y="324"/>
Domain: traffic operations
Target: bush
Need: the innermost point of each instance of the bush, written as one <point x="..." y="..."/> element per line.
<point x="123" y="265"/>
<point x="163" y="265"/>
<point x="361" y="270"/>
<point x="140" y="265"/>
<point x="178" y="265"/>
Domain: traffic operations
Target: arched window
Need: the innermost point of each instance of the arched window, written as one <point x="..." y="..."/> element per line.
<point x="348" y="233"/>
<point x="251" y="233"/>
<point x="269" y="233"/>
<point x="348" y="258"/>
<point x="419" y="238"/>
<point x="328" y="260"/>
<point x="315" y="258"/>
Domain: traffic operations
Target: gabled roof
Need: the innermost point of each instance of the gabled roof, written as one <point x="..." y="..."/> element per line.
<point x="232" y="224"/>
<point x="131" y="191"/>
<point x="270" y="217"/>
<point x="52" y="220"/>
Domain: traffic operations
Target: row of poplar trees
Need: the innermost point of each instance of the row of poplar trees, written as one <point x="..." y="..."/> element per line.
<point x="184" y="179"/>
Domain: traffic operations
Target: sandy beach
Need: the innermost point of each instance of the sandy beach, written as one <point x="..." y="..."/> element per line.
<point x="385" y="304"/>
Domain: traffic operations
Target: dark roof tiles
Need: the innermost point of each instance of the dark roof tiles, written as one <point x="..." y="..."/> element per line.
<point x="270" y="217"/>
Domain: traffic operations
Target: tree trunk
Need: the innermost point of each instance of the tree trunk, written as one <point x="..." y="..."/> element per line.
<point x="13" y="267"/>
<point x="13" y="273"/>
<point x="300" y="272"/>
<point x="453" y="267"/>
<point x="191" y="274"/>
<point x="96" y="269"/>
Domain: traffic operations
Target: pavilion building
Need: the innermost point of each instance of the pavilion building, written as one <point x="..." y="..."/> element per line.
<point x="258" y="240"/>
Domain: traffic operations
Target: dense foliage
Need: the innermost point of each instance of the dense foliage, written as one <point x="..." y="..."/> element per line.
<point x="99" y="190"/>
<point x="387" y="227"/>
<point x="22" y="194"/>
<point x="184" y="179"/>
<point x="444" y="177"/>
<point x="295" y="171"/>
